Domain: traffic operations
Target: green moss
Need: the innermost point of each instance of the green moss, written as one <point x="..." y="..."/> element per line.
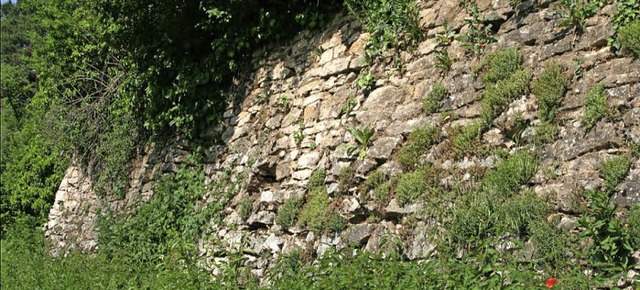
<point x="287" y="212"/>
<point x="614" y="171"/>
<point x="550" y="88"/>
<point x="314" y="212"/>
<point x="466" y="140"/>
<point x="500" y="65"/>
<point x="417" y="145"/>
<point x="505" y="180"/>
<point x="630" y="37"/>
<point x="595" y="107"/>
<point x="433" y="100"/>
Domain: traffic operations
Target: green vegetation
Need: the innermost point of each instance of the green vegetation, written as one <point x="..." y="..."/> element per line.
<point x="336" y="223"/>
<point x="544" y="133"/>
<point x="500" y="65"/>
<point x="98" y="80"/>
<point x="393" y="24"/>
<point x="379" y="183"/>
<point x="346" y="180"/>
<point x="574" y="13"/>
<point x="443" y="61"/>
<point x="550" y="243"/>
<point x="499" y="96"/>
<point x="245" y="208"/>
<point x="170" y="222"/>
<point x="633" y="224"/>
<point x="505" y="180"/>
<point x="433" y="99"/>
<point x="630" y="37"/>
<point x="284" y="102"/>
<point x="466" y="140"/>
<point x="365" y="81"/>
<point x="421" y="183"/>
<point x="596" y="106"/>
<point x="33" y="268"/>
<point x="505" y="79"/>
<point x="611" y="248"/>
<point x="298" y="137"/>
<point x="446" y="37"/>
<point x="550" y="88"/>
<point x="417" y="145"/>
<point x="363" y="138"/>
<point x="287" y="212"/>
<point x="614" y="171"/>
<point x="411" y="186"/>
<point x="315" y="211"/>
<point x="520" y="211"/>
<point x="479" y="34"/>
<point x="317" y="178"/>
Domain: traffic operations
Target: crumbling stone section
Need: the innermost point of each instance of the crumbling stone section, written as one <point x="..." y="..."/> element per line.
<point x="288" y="115"/>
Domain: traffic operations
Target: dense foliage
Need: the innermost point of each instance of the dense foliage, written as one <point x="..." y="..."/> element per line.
<point x="93" y="81"/>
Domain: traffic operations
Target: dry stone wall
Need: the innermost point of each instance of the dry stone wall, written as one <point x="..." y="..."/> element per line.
<point x="290" y="112"/>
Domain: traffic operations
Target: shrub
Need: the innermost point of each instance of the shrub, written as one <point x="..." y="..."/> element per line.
<point x="550" y="88"/>
<point x="630" y="37"/>
<point x="432" y="101"/>
<point x="466" y="140"/>
<point x="317" y="178"/>
<point x="595" y="107"/>
<point x="610" y="244"/>
<point x="506" y="179"/>
<point x="417" y="144"/>
<point x="314" y="212"/>
<point x="500" y="65"/>
<point x="287" y="212"/>
<point x="411" y="186"/>
<point x="614" y="170"/>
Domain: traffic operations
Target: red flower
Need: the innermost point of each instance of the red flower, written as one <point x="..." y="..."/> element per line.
<point x="551" y="282"/>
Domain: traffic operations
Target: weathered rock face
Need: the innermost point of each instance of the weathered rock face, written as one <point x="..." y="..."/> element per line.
<point x="290" y="113"/>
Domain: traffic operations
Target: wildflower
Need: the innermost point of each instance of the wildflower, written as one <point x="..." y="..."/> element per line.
<point x="551" y="282"/>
